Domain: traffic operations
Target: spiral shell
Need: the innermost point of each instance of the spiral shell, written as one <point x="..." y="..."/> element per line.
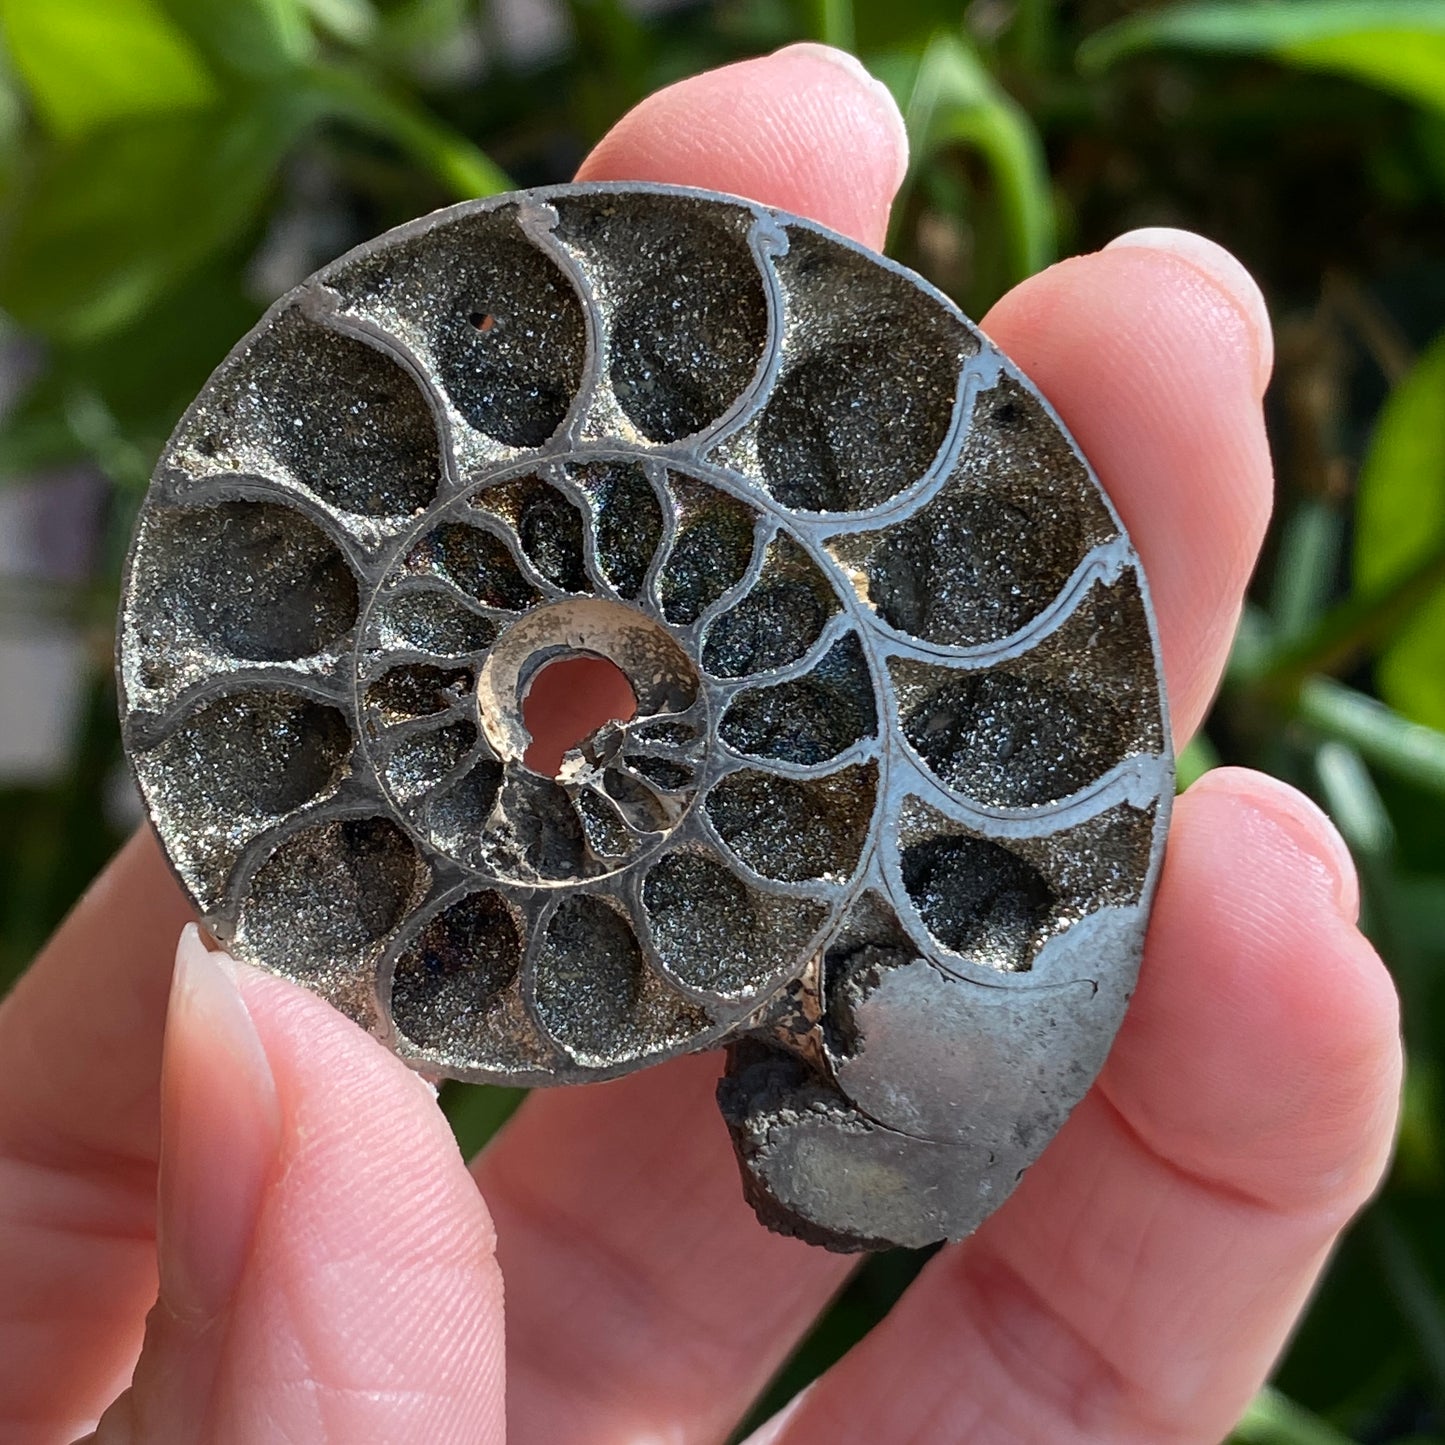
<point x="889" y="813"/>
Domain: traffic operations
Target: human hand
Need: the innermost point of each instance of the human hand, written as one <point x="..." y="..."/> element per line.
<point x="327" y="1265"/>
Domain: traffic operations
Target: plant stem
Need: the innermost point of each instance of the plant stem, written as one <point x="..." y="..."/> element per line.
<point x="1006" y="139"/>
<point x="1346" y="632"/>
<point x="1412" y="750"/>
<point x="1354" y="803"/>
<point x="451" y="158"/>
<point x="834" y="25"/>
<point x="955" y="100"/>
<point x="1309" y="549"/>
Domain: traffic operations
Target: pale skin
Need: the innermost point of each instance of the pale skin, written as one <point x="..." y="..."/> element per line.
<point x="331" y="1270"/>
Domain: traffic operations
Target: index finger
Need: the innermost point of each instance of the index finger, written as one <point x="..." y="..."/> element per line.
<point x="1155" y="352"/>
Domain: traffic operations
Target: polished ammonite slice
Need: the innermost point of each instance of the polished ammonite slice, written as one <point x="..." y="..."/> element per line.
<point x="889" y="812"/>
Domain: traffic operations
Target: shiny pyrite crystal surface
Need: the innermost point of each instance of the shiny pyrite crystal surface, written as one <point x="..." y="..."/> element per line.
<point x="888" y="816"/>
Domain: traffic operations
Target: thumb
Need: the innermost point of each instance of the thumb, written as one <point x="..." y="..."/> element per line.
<point x="327" y="1267"/>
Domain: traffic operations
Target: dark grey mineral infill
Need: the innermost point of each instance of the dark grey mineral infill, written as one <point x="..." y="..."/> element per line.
<point x="890" y="812"/>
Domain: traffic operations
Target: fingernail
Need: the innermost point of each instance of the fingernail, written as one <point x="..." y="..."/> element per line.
<point x="860" y="74"/>
<point x="1225" y="271"/>
<point x="1310" y="831"/>
<point x="220" y="1134"/>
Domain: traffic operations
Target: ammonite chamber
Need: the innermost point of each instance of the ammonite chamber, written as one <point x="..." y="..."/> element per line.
<point x="888" y="815"/>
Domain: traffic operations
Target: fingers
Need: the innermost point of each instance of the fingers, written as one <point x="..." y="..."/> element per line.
<point x="644" y="1299"/>
<point x="1149" y="1267"/>
<point x="80" y="1036"/>
<point x="1174" y="408"/>
<point x="1150" y="361"/>
<point x="807" y="130"/>
<point x="1287" y="1091"/>
<point x="80" y="1049"/>
<point x="326" y="1266"/>
<point x="1155" y="352"/>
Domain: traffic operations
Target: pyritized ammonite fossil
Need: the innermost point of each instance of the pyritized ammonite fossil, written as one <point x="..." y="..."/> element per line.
<point x="888" y="815"/>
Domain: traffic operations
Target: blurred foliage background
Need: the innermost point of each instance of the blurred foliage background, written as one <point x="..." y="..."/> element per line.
<point x="168" y="167"/>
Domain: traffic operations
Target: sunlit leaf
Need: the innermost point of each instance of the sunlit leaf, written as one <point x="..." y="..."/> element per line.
<point x="1395" y="45"/>
<point x="353" y="22"/>
<point x="86" y="65"/>
<point x="1400" y="526"/>
<point x="107" y="223"/>
<point x="1272" y="1419"/>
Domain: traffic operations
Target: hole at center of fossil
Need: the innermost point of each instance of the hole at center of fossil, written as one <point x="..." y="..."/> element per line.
<point x="567" y="702"/>
<point x="565" y="669"/>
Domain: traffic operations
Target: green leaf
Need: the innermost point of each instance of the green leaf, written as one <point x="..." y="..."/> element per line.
<point x="87" y="65"/>
<point x="1353" y="801"/>
<point x="1410" y="750"/>
<point x="900" y="24"/>
<point x="1406" y="62"/>
<point x="954" y="100"/>
<point x="254" y="39"/>
<point x="11" y="116"/>
<point x="833" y="24"/>
<point x="1272" y="1419"/>
<point x="133" y="382"/>
<point x="33" y="443"/>
<point x="1254" y="25"/>
<point x="1411" y="673"/>
<point x="1309" y="553"/>
<point x="353" y="22"/>
<point x="477" y="1112"/>
<point x="107" y="224"/>
<point x="1400" y="528"/>
<point x="1198" y="757"/>
<point x="1394" y="45"/>
<point x="422" y="24"/>
<point x="450" y="157"/>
